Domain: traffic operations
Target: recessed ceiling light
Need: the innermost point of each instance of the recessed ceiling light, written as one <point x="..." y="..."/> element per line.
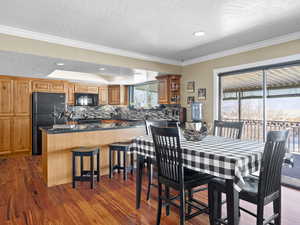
<point x="60" y="64"/>
<point x="199" y="33"/>
<point x="102" y="68"/>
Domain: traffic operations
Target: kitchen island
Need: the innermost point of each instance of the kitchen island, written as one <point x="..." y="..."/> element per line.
<point x="58" y="141"/>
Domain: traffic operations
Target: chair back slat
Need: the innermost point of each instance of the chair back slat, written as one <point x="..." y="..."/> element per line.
<point x="271" y="164"/>
<point x="228" y="129"/>
<point x="168" y="153"/>
<point x="155" y="123"/>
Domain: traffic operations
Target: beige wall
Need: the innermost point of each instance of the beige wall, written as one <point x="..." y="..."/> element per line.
<point x="202" y="73"/>
<point x="41" y="48"/>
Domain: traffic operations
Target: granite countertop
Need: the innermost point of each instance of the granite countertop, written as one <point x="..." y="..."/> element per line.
<point x="121" y="119"/>
<point x="63" y="128"/>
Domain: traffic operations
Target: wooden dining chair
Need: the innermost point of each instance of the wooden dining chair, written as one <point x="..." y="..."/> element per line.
<point x="155" y="123"/>
<point x="228" y="129"/>
<point x="260" y="191"/>
<point x="172" y="174"/>
<point x="150" y="162"/>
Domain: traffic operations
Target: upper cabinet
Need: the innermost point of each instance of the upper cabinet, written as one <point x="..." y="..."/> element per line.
<point x="70" y="94"/>
<point x="41" y="86"/>
<point x="48" y="86"/>
<point x="6" y="96"/>
<point x="114" y="95"/>
<point x="126" y="95"/>
<point x="103" y="95"/>
<point x="86" y="89"/>
<point x="22" y="97"/>
<point x="169" y="89"/>
<point x="58" y="87"/>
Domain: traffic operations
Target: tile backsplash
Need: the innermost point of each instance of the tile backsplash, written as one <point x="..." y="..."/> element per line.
<point x="117" y="112"/>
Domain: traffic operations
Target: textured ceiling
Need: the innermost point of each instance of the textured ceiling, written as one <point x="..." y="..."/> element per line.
<point x="160" y="28"/>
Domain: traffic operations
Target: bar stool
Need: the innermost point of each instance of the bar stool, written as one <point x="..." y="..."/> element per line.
<point x="120" y="147"/>
<point x="85" y="175"/>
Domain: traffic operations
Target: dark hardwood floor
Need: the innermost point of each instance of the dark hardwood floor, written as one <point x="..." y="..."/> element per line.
<point x="24" y="199"/>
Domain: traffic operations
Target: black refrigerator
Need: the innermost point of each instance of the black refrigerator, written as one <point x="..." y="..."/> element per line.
<point x="45" y="107"/>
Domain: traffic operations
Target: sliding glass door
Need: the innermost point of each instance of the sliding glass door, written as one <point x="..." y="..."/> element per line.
<point x="266" y="98"/>
<point x="241" y="99"/>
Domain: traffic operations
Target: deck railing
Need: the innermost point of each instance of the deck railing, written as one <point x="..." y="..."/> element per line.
<point x="253" y="130"/>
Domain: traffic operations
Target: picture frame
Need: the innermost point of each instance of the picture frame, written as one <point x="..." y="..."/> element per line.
<point x="190" y="100"/>
<point x="202" y="93"/>
<point x="190" y="86"/>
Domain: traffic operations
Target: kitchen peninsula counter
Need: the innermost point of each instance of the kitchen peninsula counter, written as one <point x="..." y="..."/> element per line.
<point x="58" y="142"/>
<point x="58" y="129"/>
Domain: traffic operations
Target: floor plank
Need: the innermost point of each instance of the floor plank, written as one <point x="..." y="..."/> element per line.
<point x="25" y="200"/>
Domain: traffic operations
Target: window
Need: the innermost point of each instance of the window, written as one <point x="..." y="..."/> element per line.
<point x="145" y="95"/>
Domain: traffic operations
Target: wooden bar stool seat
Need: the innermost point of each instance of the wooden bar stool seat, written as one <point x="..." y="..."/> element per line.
<point x="86" y="175"/>
<point x="120" y="147"/>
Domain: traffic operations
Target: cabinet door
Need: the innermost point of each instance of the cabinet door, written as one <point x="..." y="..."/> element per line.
<point x="163" y="91"/>
<point x="114" y="95"/>
<point x="6" y="97"/>
<point x="22" y="92"/>
<point x="41" y="86"/>
<point x="126" y="95"/>
<point x="5" y="137"/>
<point x="70" y="93"/>
<point x="92" y="89"/>
<point x="57" y="87"/>
<point x="21" y="139"/>
<point x="86" y="89"/>
<point x="103" y="95"/>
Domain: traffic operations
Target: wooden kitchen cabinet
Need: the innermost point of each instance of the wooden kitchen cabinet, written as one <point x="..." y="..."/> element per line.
<point x="86" y="89"/>
<point x="58" y="87"/>
<point x="163" y="91"/>
<point x="6" y="97"/>
<point x="70" y="94"/>
<point x="114" y="94"/>
<point x="48" y="86"/>
<point x="41" y="86"/>
<point x="103" y="95"/>
<point x="22" y="97"/>
<point x="6" y="134"/>
<point x="169" y="89"/>
<point x="21" y="138"/>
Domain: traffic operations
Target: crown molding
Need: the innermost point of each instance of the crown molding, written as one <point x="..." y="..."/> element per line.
<point x="83" y="45"/>
<point x="245" y="48"/>
<point x="104" y="49"/>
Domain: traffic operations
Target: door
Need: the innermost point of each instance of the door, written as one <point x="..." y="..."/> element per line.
<point x="22" y="100"/>
<point x="6" y="96"/>
<point x="5" y="137"/>
<point x="22" y="134"/>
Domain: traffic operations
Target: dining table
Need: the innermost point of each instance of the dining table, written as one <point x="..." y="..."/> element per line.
<point x="226" y="158"/>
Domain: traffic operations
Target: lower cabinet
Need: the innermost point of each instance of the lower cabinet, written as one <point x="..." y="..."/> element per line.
<point x="6" y="134"/>
<point x="21" y="140"/>
<point x="15" y="135"/>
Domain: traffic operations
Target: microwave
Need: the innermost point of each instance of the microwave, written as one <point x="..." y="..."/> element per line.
<point x="84" y="99"/>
